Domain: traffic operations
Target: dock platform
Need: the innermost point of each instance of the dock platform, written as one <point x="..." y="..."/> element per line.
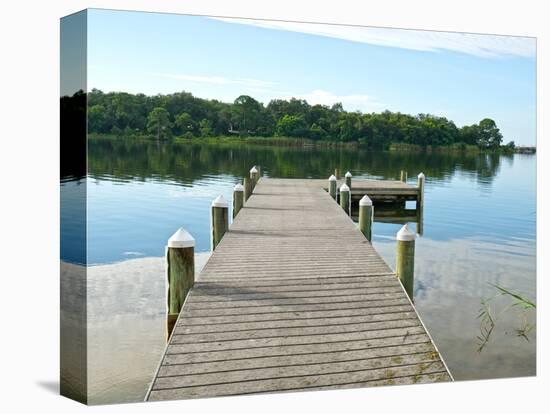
<point x="294" y="298"/>
<point x="377" y="190"/>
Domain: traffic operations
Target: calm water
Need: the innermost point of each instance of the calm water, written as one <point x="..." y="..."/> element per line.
<point x="478" y="231"/>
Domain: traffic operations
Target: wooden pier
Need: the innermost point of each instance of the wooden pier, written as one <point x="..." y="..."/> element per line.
<point x="294" y="297"/>
<point x="377" y="190"/>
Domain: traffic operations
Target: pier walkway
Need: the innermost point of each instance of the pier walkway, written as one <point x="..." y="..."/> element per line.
<point x="296" y="298"/>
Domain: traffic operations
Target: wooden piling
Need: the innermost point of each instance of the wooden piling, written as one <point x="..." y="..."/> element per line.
<point x="247" y="184"/>
<point x="404" y="176"/>
<point x="404" y="263"/>
<point x="180" y="273"/>
<point x="238" y="198"/>
<point x="419" y="221"/>
<point x="348" y="180"/>
<point x="420" y="199"/>
<point x="220" y="222"/>
<point x="254" y="176"/>
<point x="332" y="186"/>
<point x="337" y="173"/>
<point x="366" y="213"/>
<point x="345" y="198"/>
<point x="420" y="205"/>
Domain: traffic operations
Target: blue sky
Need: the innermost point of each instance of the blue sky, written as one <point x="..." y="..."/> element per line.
<point x="463" y="77"/>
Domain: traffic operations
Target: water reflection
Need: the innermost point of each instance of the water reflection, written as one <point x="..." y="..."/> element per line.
<point x="133" y="160"/>
<point x="125" y="322"/>
<point x="133" y="184"/>
<point x="451" y="277"/>
<point x="393" y="213"/>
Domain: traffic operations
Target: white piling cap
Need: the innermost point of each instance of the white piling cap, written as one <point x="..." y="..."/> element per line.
<point x="254" y="170"/>
<point x="181" y="239"/>
<point x="344" y="187"/>
<point x="219" y="202"/>
<point x="421" y="175"/>
<point x="238" y="187"/>
<point x="332" y="178"/>
<point x="365" y="201"/>
<point x="348" y="175"/>
<point x="405" y="234"/>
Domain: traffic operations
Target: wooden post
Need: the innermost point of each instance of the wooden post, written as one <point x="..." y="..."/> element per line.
<point x="404" y="264"/>
<point x="419" y="221"/>
<point x="348" y="180"/>
<point x="332" y="186"/>
<point x="337" y="173"/>
<point x="404" y="176"/>
<point x="420" y="199"/>
<point x="220" y="222"/>
<point x="345" y="197"/>
<point x="420" y="205"/>
<point x="259" y="171"/>
<point x="247" y="188"/>
<point x="366" y="212"/>
<point x="180" y="273"/>
<point x="254" y="177"/>
<point x="238" y="198"/>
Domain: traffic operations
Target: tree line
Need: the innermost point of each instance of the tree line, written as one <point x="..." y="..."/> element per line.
<point x="184" y="115"/>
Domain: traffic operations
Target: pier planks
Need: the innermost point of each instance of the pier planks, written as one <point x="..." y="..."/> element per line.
<point x="295" y="298"/>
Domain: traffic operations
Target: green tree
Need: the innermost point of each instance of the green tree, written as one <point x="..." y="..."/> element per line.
<point x="316" y="132"/>
<point x="469" y="134"/>
<point x="292" y="126"/>
<point x="125" y="114"/>
<point x="158" y="123"/>
<point x="510" y="147"/>
<point x="246" y="114"/>
<point x="184" y="123"/>
<point x="205" y="128"/>
<point x="98" y="119"/>
<point x="489" y="134"/>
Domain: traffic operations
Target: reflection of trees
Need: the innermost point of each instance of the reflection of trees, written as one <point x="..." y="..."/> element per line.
<point x="486" y="167"/>
<point x="125" y="159"/>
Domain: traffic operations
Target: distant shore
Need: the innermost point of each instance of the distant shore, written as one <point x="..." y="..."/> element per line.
<point x="305" y="142"/>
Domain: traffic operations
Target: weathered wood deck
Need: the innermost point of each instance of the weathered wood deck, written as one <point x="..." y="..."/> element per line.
<point x="377" y="190"/>
<point x="294" y="298"/>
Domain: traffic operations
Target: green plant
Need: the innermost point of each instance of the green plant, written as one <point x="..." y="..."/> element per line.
<point x="488" y="318"/>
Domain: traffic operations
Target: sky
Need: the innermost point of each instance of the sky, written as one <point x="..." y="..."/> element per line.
<point x="464" y="77"/>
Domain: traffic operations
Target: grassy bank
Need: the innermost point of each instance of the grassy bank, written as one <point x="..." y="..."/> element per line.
<point x="232" y="140"/>
<point x="460" y="148"/>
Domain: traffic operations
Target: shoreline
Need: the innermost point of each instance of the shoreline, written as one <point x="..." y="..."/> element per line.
<point x="308" y="143"/>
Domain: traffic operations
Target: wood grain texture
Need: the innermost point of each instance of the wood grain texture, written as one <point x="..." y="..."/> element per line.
<point x="296" y="298"/>
<point x="181" y="275"/>
<point x="238" y="201"/>
<point x="220" y="224"/>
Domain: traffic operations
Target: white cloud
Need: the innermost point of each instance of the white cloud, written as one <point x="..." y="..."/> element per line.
<point x="432" y="41"/>
<point x="355" y="102"/>
<point x="262" y="91"/>
<point x="217" y="80"/>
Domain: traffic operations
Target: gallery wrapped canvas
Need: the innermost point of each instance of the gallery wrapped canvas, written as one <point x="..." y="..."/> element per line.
<point x="256" y="206"/>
